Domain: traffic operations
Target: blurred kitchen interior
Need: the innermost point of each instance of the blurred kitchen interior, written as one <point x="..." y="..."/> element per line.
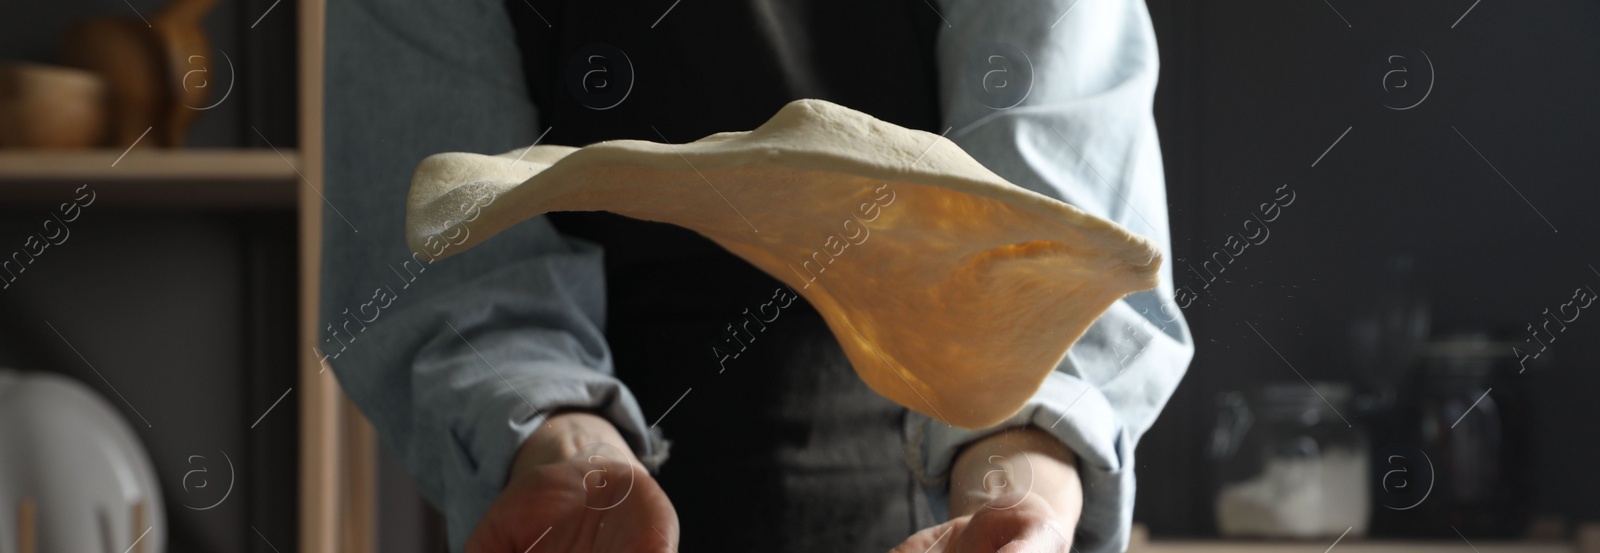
<point x="1402" y="360"/>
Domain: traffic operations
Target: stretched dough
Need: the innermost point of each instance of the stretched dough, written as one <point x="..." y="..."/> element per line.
<point x="953" y="292"/>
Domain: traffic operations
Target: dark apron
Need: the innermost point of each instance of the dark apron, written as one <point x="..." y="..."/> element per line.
<point x="782" y="448"/>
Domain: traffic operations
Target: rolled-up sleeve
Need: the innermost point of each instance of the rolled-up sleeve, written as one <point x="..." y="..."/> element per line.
<point x="457" y="380"/>
<point x="1056" y="96"/>
<point x="455" y="361"/>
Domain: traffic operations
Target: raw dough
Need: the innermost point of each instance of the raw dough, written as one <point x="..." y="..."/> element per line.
<point x="954" y="292"/>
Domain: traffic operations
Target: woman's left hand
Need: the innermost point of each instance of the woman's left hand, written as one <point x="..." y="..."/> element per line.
<point x="1013" y="492"/>
<point x="1015" y="523"/>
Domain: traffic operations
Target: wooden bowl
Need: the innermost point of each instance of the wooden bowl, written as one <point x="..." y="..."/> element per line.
<point x="129" y="59"/>
<point x="45" y="106"/>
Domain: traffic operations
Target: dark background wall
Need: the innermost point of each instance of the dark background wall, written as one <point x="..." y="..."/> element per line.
<point x="1253" y="93"/>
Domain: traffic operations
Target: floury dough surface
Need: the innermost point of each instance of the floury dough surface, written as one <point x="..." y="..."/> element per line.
<point x="953" y="292"/>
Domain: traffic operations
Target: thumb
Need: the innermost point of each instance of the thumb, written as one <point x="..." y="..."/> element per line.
<point x="933" y="539"/>
<point x="479" y="540"/>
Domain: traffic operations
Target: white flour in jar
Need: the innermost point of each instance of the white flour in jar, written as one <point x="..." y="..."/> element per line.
<point x="1299" y="497"/>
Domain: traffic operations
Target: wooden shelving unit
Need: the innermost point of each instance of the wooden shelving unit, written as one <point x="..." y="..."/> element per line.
<point x="202" y="178"/>
<point x="338" y="448"/>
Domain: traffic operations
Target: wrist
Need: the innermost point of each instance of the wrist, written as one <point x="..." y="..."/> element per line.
<point x="563" y="436"/>
<point x="1018" y="459"/>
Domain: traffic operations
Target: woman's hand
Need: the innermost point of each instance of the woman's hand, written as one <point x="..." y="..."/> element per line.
<point x="576" y="487"/>
<point x="1012" y="523"/>
<point x="1013" y="492"/>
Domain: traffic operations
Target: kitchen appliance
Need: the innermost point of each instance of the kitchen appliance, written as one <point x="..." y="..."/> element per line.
<point x="73" y="475"/>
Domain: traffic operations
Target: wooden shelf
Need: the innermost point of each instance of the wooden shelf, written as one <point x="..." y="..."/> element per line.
<point x="1347" y="546"/>
<point x="1587" y="541"/>
<point x="150" y="178"/>
<point x="147" y="164"/>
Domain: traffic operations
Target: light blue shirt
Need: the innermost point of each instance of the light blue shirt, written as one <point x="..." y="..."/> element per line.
<point x="409" y="79"/>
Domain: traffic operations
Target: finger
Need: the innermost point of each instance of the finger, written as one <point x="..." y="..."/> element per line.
<point x="1064" y="535"/>
<point x="1041" y="538"/>
<point x="663" y="539"/>
<point x="482" y="540"/>
<point x="475" y="543"/>
<point x="933" y="539"/>
<point x="1027" y="526"/>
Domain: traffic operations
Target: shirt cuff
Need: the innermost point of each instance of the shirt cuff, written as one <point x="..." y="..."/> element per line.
<point x="1072" y="410"/>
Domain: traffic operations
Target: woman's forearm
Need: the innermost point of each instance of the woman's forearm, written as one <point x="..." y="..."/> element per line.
<point x="1026" y="459"/>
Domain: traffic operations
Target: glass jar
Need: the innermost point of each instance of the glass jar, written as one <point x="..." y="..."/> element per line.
<point x="1467" y="411"/>
<point x="1288" y="465"/>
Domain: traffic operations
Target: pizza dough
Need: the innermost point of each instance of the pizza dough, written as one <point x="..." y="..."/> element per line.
<point x="953" y="292"/>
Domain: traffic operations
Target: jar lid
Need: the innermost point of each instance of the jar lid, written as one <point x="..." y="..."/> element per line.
<point x="1467" y="345"/>
<point x="1308" y="404"/>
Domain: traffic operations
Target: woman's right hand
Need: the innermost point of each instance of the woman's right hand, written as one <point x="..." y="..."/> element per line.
<point x="576" y="487"/>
